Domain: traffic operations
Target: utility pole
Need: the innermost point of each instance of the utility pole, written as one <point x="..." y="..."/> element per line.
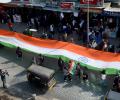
<point x="88" y="6"/>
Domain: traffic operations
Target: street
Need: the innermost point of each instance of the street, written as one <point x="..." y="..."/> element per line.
<point x="19" y="86"/>
<point x="76" y="29"/>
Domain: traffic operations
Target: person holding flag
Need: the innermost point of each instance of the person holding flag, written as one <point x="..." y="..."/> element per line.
<point x="71" y="69"/>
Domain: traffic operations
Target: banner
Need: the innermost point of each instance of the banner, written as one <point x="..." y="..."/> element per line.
<point x="90" y="58"/>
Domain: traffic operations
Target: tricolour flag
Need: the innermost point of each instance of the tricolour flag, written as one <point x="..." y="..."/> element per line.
<point x="93" y="59"/>
<point x="72" y="67"/>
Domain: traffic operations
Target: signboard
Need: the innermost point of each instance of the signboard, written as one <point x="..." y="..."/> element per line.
<point x="110" y="13"/>
<point x="92" y="2"/>
<point x="67" y="5"/>
<point x="93" y="10"/>
<point x="51" y="4"/>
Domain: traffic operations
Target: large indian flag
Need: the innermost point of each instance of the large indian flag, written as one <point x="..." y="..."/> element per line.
<point x="93" y="59"/>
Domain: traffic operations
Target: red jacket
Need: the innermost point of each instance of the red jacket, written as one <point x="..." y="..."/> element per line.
<point x="10" y="24"/>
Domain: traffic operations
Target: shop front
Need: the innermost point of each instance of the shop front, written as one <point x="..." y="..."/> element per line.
<point x="114" y="18"/>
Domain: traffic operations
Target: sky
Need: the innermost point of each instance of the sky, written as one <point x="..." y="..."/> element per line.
<point x="4" y="1"/>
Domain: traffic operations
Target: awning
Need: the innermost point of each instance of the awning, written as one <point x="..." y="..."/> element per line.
<point x="60" y="10"/>
<point x="8" y="5"/>
<point x="93" y="10"/>
<point x="112" y="9"/>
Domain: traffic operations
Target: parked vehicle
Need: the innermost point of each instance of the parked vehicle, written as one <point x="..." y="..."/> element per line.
<point x="45" y="76"/>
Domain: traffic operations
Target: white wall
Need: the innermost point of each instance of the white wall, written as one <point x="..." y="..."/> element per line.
<point x="5" y="1"/>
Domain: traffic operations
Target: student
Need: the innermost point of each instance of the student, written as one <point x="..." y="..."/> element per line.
<point x="103" y="78"/>
<point x="40" y="59"/>
<point x="52" y="29"/>
<point x="65" y="37"/>
<point x="118" y="86"/>
<point x="78" y="70"/>
<point x="34" y="60"/>
<point x="85" y="75"/>
<point x="3" y="77"/>
<point x="69" y="69"/>
<point x="115" y="82"/>
<point x="65" y="72"/>
<point x="18" y="52"/>
<point x="60" y="63"/>
<point x="70" y="77"/>
<point x="10" y="25"/>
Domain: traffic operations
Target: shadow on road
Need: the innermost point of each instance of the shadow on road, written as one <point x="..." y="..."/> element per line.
<point x="95" y="90"/>
<point x="23" y="73"/>
<point x="10" y="56"/>
<point x="25" y="90"/>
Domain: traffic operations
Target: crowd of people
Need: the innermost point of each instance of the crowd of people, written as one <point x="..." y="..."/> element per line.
<point x="64" y="68"/>
<point x="67" y="24"/>
<point x="39" y="60"/>
<point x="80" y="72"/>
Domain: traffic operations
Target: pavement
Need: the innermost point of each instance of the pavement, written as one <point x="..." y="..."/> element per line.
<point x="19" y="87"/>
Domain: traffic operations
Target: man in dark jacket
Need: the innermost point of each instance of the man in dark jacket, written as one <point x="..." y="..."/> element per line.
<point x="19" y="52"/>
<point x="78" y="70"/>
<point x="60" y="63"/>
<point x="40" y="59"/>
